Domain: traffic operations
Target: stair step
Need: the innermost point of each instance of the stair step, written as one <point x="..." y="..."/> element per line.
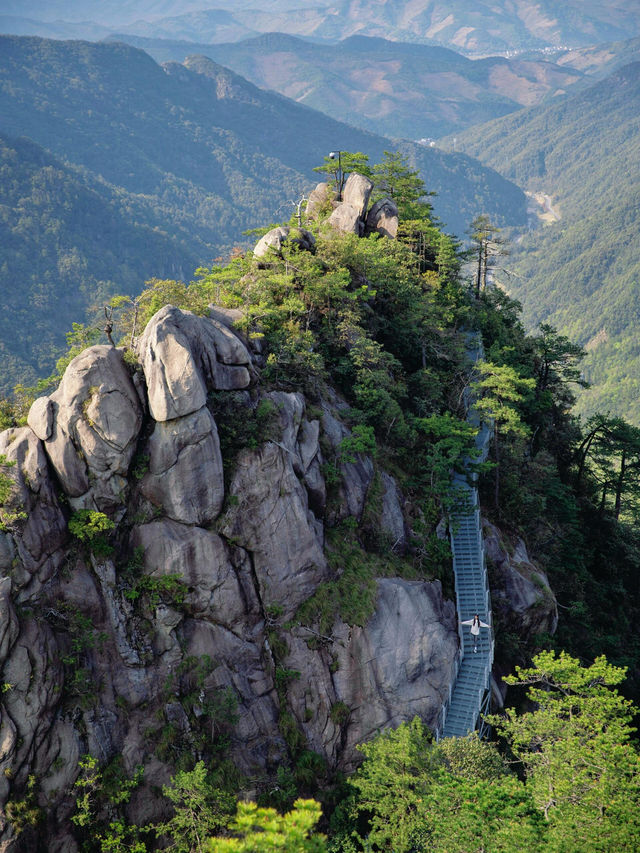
<point x="472" y="591"/>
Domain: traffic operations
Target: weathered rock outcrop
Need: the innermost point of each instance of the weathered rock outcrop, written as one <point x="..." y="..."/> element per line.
<point x="396" y="667"/>
<point x="383" y="218"/>
<point x="125" y="644"/>
<point x="185" y="468"/>
<point x="275" y="239"/>
<point x="357" y="192"/>
<point x="184" y="356"/>
<point x="90" y="426"/>
<point x="276" y="526"/>
<point x="35" y="555"/>
<point x="402" y="662"/>
<point x="350" y="213"/>
<point x="320" y="199"/>
<point x="520" y="593"/>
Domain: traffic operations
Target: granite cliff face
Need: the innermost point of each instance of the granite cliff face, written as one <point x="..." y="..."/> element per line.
<point x="177" y="586"/>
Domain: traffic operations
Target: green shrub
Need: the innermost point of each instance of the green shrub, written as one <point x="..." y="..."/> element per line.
<point x="339" y="713"/>
<point x="92" y="528"/>
<point x="10" y="513"/>
<point x="242" y="425"/>
<point x="168" y="589"/>
<point x="25" y="812"/>
<point x="362" y="440"/>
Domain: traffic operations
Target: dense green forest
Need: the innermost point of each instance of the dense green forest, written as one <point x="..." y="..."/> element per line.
<point x="384" y="322"/>
<point x="161" y="169"/>
<point x="68" y="244"/>
<point x="580" y="273"/>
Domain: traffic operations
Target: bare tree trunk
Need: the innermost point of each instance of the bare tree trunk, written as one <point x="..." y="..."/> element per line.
<point x="619" y="484"/>
<point x="584" y="449"/>
<point x="479" y="272"/>
<point x="496" y="496"/>
<point x="135" y="323"/>
<point x="485" y="265"/>
<point x="603" y="500"/>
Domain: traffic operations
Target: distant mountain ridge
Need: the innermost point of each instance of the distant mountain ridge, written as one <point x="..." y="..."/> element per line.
<point x="474" y="27"/>
<point x="194" y="153"/>
<point x="393" y="88"/>
<point x="111" y="109"/>
<point x="599" y="60"/>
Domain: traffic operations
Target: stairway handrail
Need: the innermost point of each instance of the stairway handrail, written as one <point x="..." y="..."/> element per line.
<point x="475" y="352"/>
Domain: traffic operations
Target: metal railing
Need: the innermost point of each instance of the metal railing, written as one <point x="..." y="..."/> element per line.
<point x="474" y="556"/>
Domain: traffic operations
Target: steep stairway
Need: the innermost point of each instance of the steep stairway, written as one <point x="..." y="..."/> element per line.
<point x="469" y="695"/>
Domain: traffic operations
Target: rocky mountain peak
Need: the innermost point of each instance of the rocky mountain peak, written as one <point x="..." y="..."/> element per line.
<point x="147" y="556"/>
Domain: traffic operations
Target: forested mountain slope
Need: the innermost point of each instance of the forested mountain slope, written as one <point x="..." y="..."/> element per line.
<point x="68" y="243"/>
<point x="196" y="153"/>
<point x="393" y="88"/>
<point x="582" y="272"/>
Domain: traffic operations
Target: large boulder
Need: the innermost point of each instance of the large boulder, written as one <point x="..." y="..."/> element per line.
<point x="90" y="426"/>
<point x="9" y="627"/>
<point x="40" y="418"/>
<point x="219" y="586"/>
<point x="233" y="319"/>
<point x="301" y="439"/>
<point x="241" y="663"/>
<point x="291" y="408"/>
<point x="320" y="199"/>
<point x="185" y="474"/>
<point x="357" y="192"/>
<point x="7" y="552"/>
<point x="39" y="535"/>
<point x="399" y="665"/>
<point x="350" y="213"/>
<point x="521" y="597"/>
<point x="34" y="671"/>
<point x="184" y="356"/>
<point x="275" y="239"/>
<point x="346" y="218"/>
<point x="383" y="218"/>
<point x="392" y="519"/>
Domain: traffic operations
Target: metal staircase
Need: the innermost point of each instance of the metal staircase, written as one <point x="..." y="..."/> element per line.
<point x="470" y="693"/>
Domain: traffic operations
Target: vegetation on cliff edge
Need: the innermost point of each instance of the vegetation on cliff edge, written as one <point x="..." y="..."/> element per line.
<point x="385" y="322"/>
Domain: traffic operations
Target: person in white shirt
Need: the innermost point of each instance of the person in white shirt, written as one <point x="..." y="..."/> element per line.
<point x="476" y="624"/>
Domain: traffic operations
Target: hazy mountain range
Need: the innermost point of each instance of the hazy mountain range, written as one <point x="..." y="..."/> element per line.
<point x="393" y="88"/>
<point x="477" y="28"/>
